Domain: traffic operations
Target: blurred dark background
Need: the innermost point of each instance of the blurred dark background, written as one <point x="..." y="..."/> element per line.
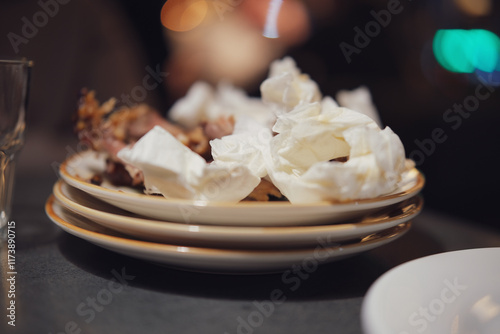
<point x="110" y="46"/>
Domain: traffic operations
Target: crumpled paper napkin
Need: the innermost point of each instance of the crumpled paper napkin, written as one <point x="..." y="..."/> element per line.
<point x="311" y="148"/>
<point x="171" y="168"/>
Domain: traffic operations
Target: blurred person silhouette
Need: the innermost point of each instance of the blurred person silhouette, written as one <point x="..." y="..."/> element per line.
<point x="224" y="40"/>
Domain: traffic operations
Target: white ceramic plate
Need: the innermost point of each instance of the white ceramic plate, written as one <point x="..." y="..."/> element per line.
<point x="455" y="293"/>
<point x="213" y="259"/>
<point x="230" y="236"/>
<point x="78" y="169"/>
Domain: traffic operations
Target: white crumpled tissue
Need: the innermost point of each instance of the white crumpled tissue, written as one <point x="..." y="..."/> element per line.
<point x="307" y="145"/>
<point x="286" y="87"/>
<point x="312" y="133"/>
<point x="171" y="168"/>
<point x="302" y="155"/>
<point x="204" y="103"/>
<point x="247" y="145"/>
<point x="359" y="99"/>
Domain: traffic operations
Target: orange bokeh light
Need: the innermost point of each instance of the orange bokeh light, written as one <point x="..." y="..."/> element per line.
<point x="183" y="15"/>
<point x="475" y="7"/>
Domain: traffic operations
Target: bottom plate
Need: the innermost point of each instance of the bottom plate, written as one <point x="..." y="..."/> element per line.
<point x="230" y="236"/>
<point x="213" y="259"/>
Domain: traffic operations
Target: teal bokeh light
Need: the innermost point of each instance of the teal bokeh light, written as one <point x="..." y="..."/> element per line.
<point x="465" y="51"/>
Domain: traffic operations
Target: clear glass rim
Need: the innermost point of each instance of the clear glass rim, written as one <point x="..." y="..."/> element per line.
<point x="23" y="61"/>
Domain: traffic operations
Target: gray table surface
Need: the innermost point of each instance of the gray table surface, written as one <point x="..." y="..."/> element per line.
<point x="59" y="275"/>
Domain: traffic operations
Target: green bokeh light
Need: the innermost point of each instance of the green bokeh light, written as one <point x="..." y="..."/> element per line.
<point x="464" y="51"/>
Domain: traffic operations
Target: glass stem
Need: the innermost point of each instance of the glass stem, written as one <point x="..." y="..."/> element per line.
<point x="6" y="186"/>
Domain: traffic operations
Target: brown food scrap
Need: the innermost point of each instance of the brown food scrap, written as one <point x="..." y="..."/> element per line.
<point x="89" y="118"/>
<point x="117" y="174"/>
<point x="108" y="129"/>
<point x="96" y="179"/>
<point x="222" y="126"/>
<point x="198" y="142"/>
<point x="264" y="191"/>
<point x="341" y="159"/>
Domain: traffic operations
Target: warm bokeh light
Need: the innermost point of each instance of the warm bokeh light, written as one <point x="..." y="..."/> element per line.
<point x="466" y="51"/>
<point x="230" y="43"/>
<point x="183" y="15"/>
<point x="222" y="51"/>
<point x="475" y="7"/>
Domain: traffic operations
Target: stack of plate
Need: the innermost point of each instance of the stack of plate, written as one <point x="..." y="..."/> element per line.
<point x="219" y="237"/>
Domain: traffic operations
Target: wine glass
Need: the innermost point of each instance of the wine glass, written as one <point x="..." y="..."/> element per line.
<point x="14" y="83"/>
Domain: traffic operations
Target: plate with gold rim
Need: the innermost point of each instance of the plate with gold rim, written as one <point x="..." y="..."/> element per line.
<point x="230" y="236"/>
<point x="78" y="169"/>
<point x="215" y="259"/>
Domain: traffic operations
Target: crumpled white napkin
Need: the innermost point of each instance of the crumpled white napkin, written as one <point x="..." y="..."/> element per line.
<point x="297" y="159"/>
<point x="286" y="87"/>
<point x="204" y="103"/>
<point x="359" y="99"/>
<point x="247" y="145"/>
<point x="312" y="134"/>
<point x="177" y="172"/>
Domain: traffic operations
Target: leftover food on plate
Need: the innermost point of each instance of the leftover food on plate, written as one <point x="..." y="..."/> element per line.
<point x="221" y="145"/>
<point x="79" y="168"/>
